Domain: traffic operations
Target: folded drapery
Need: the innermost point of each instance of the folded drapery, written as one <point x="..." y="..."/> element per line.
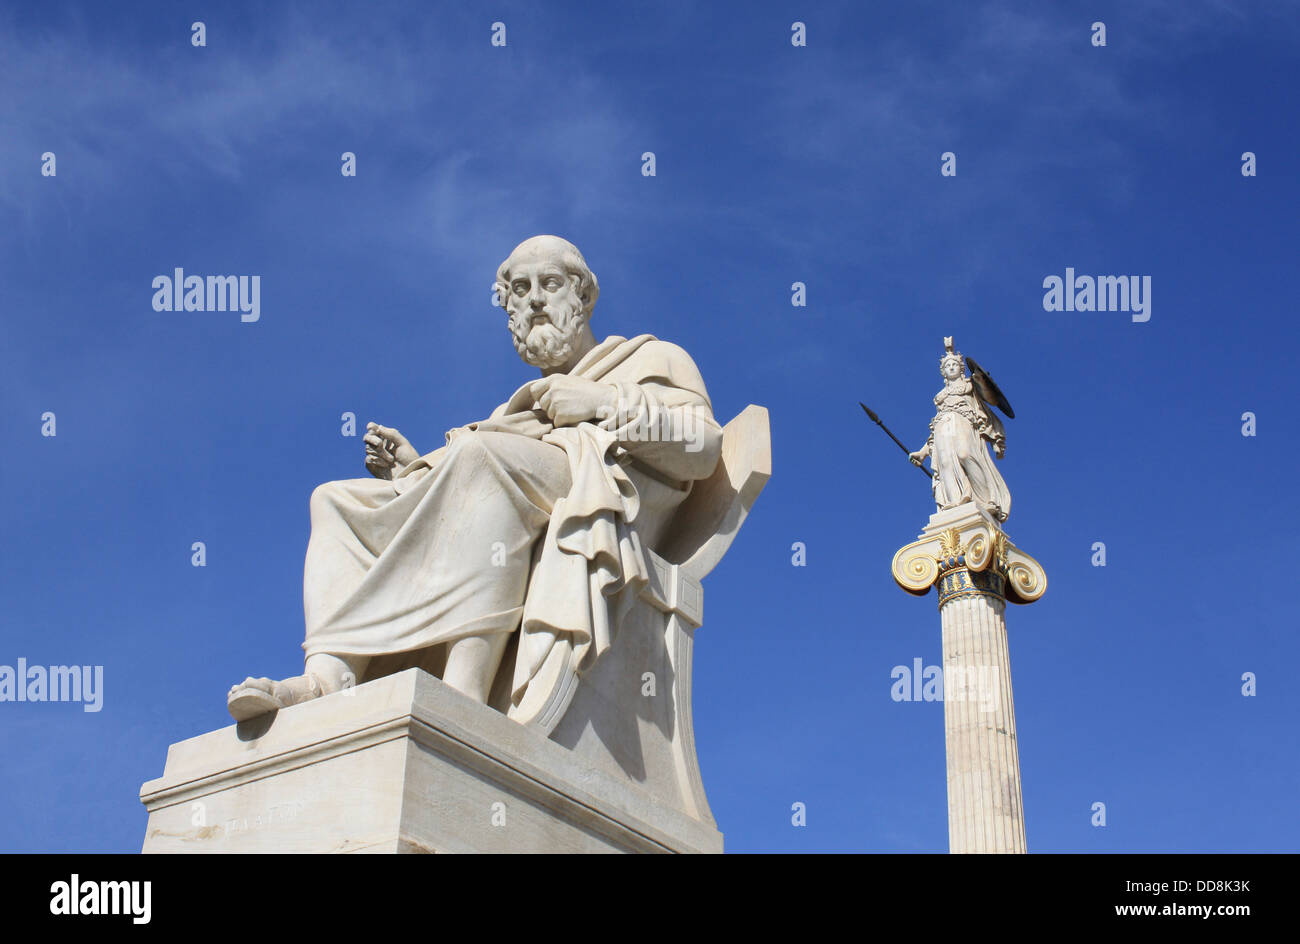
<point x="447" y="549"/>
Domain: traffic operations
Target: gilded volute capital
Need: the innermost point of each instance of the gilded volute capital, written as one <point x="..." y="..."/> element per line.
<point x="971" y="556"/>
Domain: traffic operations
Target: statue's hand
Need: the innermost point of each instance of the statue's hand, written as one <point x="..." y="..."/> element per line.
<point x="572" y="400"/>
<point x="387" y="451"/>
<point x="919" y="456"/>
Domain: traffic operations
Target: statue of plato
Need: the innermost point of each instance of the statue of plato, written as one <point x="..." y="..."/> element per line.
<point x="478" y="557"/>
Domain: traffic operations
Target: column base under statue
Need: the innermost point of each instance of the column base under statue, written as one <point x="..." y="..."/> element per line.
<point x="401" y="764"/>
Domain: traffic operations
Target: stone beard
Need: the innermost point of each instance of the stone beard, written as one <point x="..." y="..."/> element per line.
<point x="547" y="344"/>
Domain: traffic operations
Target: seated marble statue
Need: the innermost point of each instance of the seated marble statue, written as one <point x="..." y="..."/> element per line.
<point x="523" y="525"/>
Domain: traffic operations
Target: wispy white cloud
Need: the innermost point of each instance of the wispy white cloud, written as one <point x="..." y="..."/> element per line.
<point x="114" y="114"/>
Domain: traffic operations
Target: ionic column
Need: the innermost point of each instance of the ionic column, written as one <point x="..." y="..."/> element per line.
<point x="976" y="570"/>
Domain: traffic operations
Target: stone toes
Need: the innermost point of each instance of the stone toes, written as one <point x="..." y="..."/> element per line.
<point x="261" y="684"/>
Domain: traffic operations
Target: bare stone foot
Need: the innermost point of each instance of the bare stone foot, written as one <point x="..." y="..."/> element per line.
<point x="253" y="697"/>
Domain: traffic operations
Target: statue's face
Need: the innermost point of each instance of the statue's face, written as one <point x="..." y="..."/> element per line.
<point x="950" y="368"/>
<point x="546" y="314"/>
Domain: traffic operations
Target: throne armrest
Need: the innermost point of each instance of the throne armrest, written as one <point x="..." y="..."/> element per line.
<point x="707" y="522"/>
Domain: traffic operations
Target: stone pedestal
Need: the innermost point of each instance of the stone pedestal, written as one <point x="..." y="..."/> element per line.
<point x="976" y="569"/>
<point x="401" y="764"/>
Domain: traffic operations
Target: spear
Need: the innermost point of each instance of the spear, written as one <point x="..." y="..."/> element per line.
<point x="876" y="420"/>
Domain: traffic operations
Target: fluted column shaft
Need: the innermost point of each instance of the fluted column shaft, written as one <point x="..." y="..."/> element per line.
<point x="984" y="801"/>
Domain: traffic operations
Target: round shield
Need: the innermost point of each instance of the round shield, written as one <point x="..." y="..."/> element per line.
<point x="987" y="389"/>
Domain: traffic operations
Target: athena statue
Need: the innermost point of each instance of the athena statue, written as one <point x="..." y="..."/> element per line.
<point x="959" y="460"/>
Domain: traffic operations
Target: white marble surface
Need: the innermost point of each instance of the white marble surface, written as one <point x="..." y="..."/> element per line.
<point x="401" y="764"/>
<point x="976" y="569"/>
<point x="985" y="812"/>
<point x="358" y="770"/>
<point x="490" y="561"/>
<point x="959" y="458"/>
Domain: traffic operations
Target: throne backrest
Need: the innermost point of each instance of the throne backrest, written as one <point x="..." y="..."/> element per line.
<point x="706" y="523"/>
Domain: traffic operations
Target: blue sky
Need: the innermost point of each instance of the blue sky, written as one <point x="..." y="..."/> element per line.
<point x="775" y="164"/>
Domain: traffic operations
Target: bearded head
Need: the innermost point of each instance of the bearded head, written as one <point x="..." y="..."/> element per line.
<point x="548" y="293"/>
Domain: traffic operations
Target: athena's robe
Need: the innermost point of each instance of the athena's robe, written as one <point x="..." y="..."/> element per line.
<point x="963" y="469"/>
<point x="514" y="523"/>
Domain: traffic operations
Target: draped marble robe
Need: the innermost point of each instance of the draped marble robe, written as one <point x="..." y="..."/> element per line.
<point x="514" y="524"/>
<point x="963" y="469"/>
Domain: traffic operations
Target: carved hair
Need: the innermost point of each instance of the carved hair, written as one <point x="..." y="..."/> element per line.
<point x="570" y="259"/>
